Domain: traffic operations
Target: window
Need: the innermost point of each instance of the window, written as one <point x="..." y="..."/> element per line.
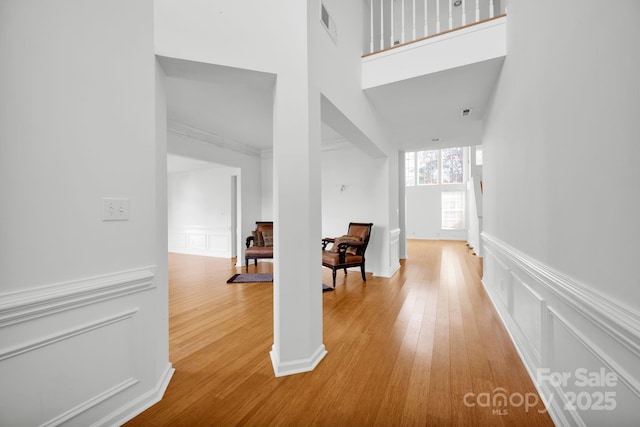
<point x="427" y="167"/>
<point x="478" y="155"/>
<point x="410" y="169"/>
<point x="433" y="167"/>
<point x="452" y="165"/>
<point x="453" y="210"/>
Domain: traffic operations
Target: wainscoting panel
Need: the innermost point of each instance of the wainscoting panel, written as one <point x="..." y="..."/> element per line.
<point x="214" y="242"/>
<point x="72" y="353"/>
<point x="102" y="354"/>
<point x="394" y="251"/>
<point x="528" y="310"/>
<point x="580" y="347"/>
<point x="590" y="381"/>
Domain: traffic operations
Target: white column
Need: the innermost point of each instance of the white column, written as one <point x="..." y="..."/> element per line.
<point x="297" y="286"/>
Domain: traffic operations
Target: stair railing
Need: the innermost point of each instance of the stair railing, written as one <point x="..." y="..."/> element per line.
<point x="388" y="20"/>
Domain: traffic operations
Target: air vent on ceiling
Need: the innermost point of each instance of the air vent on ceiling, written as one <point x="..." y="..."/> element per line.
<point x="465" y="112"/>
<point x="328" y="23"/>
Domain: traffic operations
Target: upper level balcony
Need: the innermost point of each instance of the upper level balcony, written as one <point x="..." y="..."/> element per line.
<point x="410" y="38"/>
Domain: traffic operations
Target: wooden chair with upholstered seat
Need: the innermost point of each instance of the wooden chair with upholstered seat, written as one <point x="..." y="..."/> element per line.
<point x="348" y="250"/>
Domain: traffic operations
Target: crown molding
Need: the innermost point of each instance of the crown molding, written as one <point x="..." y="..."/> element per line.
<point x="181" y="129"/>
<point x="336" y="144"/>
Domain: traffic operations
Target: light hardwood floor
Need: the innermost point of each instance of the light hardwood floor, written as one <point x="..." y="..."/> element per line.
<point x="401" y="352"/>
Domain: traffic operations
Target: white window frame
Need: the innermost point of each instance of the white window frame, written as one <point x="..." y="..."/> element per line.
<point x="457" y="213"/>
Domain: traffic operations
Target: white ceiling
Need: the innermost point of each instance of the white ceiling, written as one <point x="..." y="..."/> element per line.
<point x="236" y="104"/>
<point x="427" y="107"/>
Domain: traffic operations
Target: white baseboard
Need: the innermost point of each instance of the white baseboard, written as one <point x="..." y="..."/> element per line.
<point x="282" y="369"/>
<point x="141" y="404"/>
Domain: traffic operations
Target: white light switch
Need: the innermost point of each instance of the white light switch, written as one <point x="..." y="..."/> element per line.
<point x="115" y="209"/>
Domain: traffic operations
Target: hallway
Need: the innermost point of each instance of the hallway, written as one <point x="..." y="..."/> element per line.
<point x="425" y="347"/>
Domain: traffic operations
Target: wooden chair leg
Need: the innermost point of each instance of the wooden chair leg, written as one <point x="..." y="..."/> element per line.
<point x="345" y="271"/>
<point x="246" y="264"/>
<point x="364" y="278"/>
<point x="333" y="272"/>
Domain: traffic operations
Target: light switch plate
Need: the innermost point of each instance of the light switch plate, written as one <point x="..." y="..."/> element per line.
<point x="115" y="209"/>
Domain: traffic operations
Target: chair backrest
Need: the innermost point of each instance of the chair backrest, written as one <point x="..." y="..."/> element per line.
<point x="264" y="226"/>
<point x="362" y="230"/>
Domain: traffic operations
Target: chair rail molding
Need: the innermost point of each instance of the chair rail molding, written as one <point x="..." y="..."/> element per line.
<point x="561" y="326"/>
<point x="20" y="306"/>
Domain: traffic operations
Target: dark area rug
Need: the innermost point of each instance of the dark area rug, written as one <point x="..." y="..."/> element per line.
<point x="262" y="277"/>
<point x="251" y="278"/>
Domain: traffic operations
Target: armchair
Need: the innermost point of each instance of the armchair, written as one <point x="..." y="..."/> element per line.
<point x="259" y="244"/>
<point x="348" y="250"/>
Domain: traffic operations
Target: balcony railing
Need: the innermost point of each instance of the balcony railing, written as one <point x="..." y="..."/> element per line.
<point x="396" y="22"/>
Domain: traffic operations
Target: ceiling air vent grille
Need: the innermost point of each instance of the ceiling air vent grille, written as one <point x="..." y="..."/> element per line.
<point x="328" y="23"/>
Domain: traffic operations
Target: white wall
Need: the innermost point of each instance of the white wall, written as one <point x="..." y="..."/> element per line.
<point x="424" y="209"/>
<point x="350" y="193"/>
<point x="200" y="212"/>
<point x="561" y="197"/>
<point x="83" y="331"/>
<point x="249" y="181"/>
<point x="424" y="212"/>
